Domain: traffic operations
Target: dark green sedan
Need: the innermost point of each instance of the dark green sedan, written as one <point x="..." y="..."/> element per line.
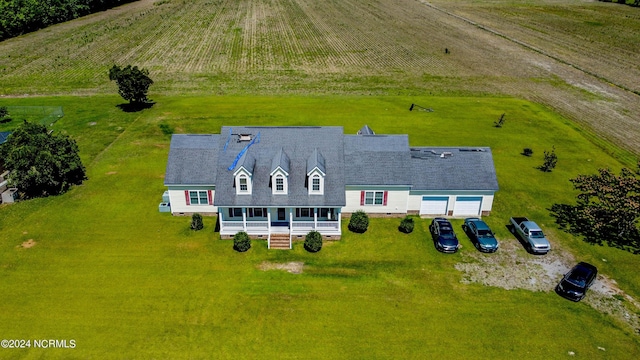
<point x="480" y="234"/>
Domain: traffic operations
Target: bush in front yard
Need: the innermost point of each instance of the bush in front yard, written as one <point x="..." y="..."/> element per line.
<point x="241" y="242"/>
<point x="406" y="225"/>
<point x="196" y="222"/>
<point x="313" y="241"/>
<point x="359" y="222"/>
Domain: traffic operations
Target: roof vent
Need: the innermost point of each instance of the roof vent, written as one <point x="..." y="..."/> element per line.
<point x="446" y="154"/>
<point x="244" y="137"/>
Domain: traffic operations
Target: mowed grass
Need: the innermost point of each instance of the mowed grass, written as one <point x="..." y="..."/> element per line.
<point x="125" y="281"/>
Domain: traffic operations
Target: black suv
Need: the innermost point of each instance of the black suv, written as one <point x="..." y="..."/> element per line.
<point x="575" y="283"/>
<point x="444" y="238"/>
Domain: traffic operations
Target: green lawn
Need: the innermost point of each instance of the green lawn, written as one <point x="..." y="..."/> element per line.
<point x="125" y="281"/>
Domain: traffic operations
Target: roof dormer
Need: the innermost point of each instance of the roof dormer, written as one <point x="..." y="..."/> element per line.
<point x="244" y="174"/>
<point x="316" y="173"/>
<point x="280" y="173"/>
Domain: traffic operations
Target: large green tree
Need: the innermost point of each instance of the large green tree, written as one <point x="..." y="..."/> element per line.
<point x="41" y="163"/>
<point x="133" y="83"/>
<point x="607" y="209"/>
<point x="22" y="16"/>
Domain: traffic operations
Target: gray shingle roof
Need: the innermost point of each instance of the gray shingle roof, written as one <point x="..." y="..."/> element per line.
<point x="366" y="130"/>
<point x="247" y="161"/>
<point x="281" y="160"/>
<point x="192" y="160"/>
<point x="345" y="159"/>
<point x="316" y="160"/>
<point x="377" y="160"/>
<point x="453" y="168"/>
<point x="298" y="143"/>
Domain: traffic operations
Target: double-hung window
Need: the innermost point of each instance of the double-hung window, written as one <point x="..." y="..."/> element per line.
<point x="279" y="184"/>
<point x="243" y="183"/>
<point x="374" y="198"/>
<point x="198" y="197"/>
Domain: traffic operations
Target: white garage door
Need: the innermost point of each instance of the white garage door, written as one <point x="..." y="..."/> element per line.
<point x="467" y="206"/>
<point x="434" y="205"/>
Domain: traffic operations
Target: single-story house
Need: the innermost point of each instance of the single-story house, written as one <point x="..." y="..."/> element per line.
<point x="291" y="180"/>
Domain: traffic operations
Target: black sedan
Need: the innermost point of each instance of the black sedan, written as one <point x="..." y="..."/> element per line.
<point x="444" y="238"/>
<point x="575" y="283"/>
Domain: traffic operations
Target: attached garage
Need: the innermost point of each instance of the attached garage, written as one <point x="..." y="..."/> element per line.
<point x="434" y="205"/>
<point x="467" y="205"/>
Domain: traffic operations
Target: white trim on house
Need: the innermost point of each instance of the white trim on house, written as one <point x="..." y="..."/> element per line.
<point x="243" y="182"/>
<point x="296" y="221"/>
<point x="315" y="180"/>
<point x="279" y="182"/>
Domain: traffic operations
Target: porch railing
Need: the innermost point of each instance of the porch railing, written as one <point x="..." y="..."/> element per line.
<point x="231" y="225"/>
<point x="321" y="226"/>
<point x="227" y="226"/>
<point x="257" y="225"/>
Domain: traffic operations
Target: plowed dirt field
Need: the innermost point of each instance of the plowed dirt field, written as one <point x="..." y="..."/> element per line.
<point x="578" y="57"/>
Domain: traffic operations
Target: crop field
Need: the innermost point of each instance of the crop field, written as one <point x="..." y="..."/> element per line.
<point x="578" y="58"/>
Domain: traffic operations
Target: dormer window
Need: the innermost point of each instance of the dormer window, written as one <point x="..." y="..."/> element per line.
<point x="279" y="184"/>
<point x="242" y="176"/>
<point x="316" y="183"/>
<point x="316" y="173"/>
<point x="243" y="183"/>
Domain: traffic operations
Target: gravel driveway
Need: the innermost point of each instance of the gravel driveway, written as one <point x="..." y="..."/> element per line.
<point x="511" y="267"/>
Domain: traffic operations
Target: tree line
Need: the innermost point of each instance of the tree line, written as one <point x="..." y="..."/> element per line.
<point x="22" y="16"/>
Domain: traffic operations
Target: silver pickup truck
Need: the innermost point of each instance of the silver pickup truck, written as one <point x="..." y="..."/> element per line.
<point x="531" y="234"/>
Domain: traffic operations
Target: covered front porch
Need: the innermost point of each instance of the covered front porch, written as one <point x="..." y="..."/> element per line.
<point x="268" y="221"/>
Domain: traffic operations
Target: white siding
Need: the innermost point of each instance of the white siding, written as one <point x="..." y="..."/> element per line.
<point x="414" y="202"/>
<point x="179" y="203"/>
<point x="396" y="202"/>
<point x="487" y="203"/>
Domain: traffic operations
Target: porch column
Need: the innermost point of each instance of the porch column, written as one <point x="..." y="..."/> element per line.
<point x="269" y="221"/>
<point x="339" y="216"/>
<point x="220" y="218"/>
<point x="244" y="219"/>
<point x="315" y="218"/>
<point x="290" y="219"/>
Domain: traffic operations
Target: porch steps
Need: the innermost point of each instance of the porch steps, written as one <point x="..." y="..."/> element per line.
<point x="279" y="241"/>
